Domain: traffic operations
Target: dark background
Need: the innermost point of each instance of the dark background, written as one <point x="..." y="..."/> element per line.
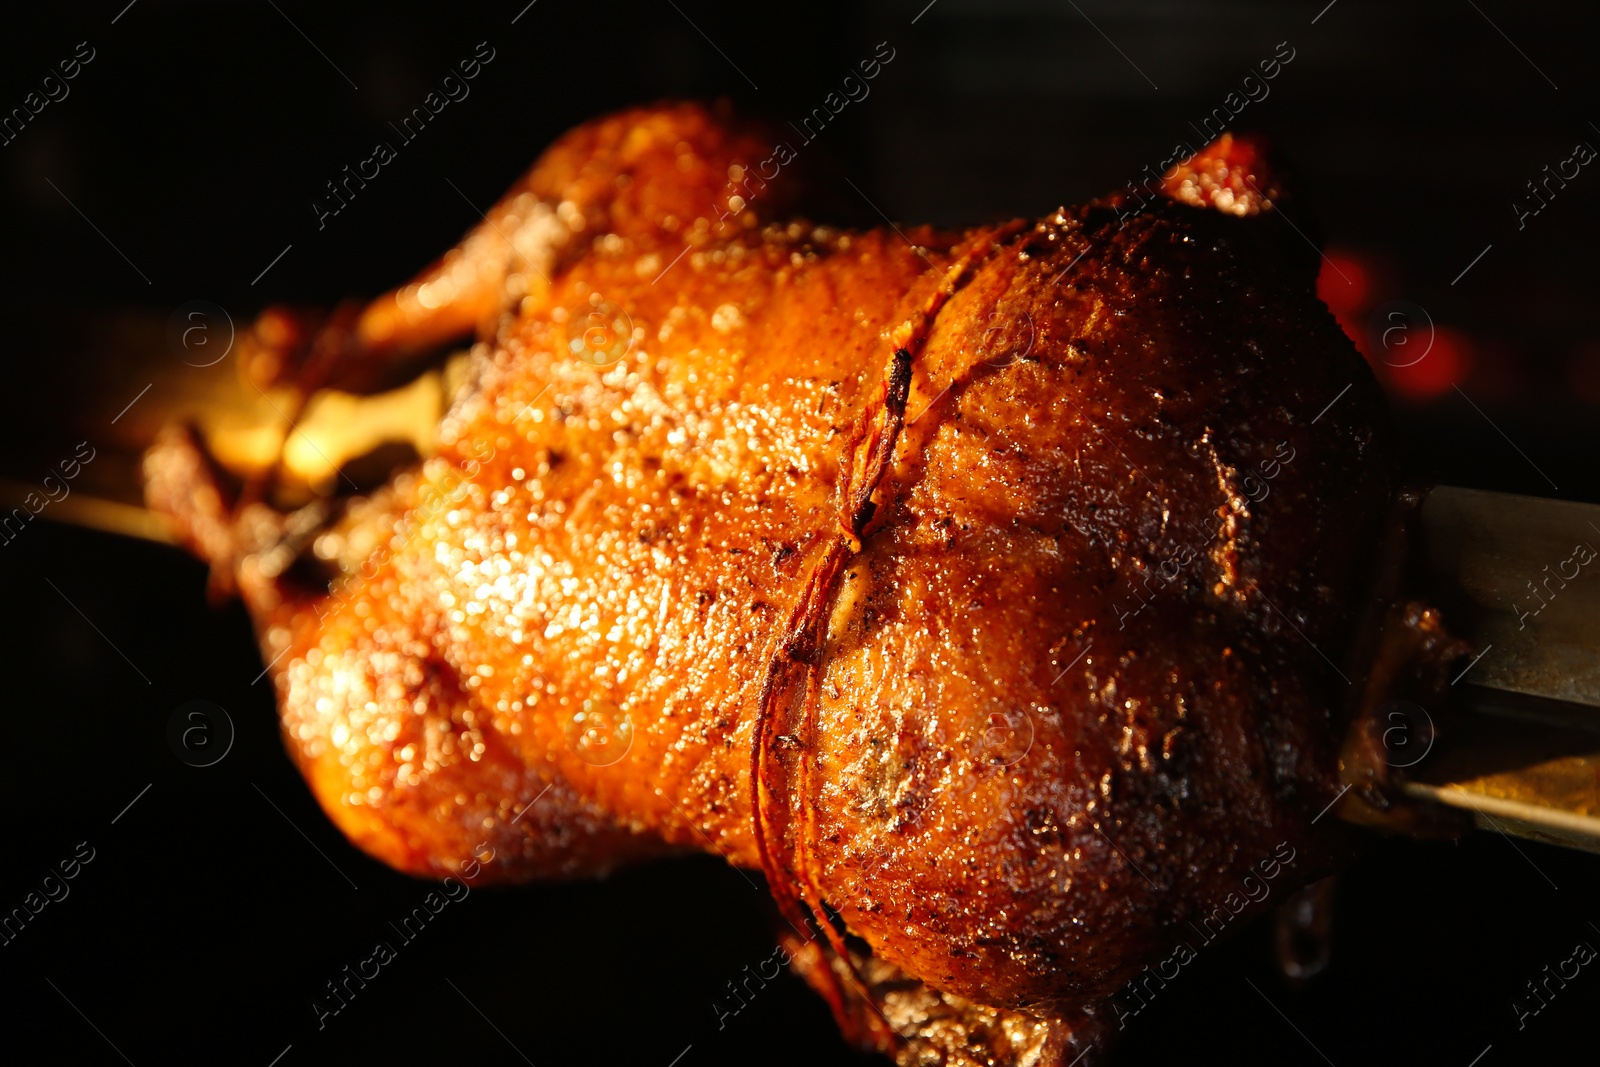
<point x="194" y="143"/>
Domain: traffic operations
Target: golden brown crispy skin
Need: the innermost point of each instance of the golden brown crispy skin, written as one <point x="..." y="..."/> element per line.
<point x="1077" y="676"/>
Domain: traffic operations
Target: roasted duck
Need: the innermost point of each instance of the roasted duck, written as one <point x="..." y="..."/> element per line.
<point x="989" y="591"/>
